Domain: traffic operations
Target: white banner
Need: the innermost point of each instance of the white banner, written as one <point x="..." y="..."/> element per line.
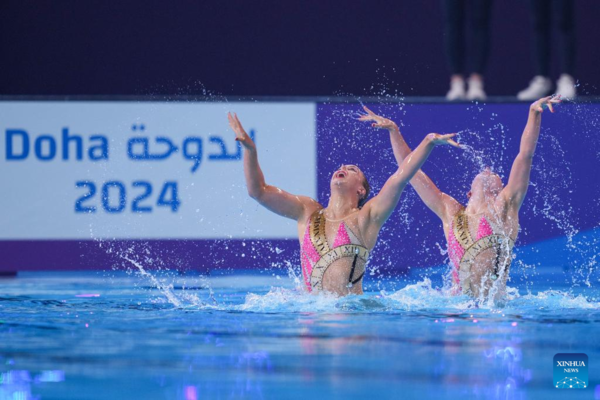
<point x="80" y="170"/>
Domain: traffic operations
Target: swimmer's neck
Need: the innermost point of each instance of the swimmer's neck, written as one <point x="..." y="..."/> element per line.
<point x="340" y="206"/>
<point x="481" y="203"/>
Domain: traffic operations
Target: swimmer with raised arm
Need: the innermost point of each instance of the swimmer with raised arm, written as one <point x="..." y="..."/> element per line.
<point x="335" y="241"/>
<point x="481" y="235"/>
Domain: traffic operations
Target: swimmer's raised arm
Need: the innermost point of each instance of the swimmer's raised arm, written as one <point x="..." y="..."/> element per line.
<point x="271" y="197"/>
<point x="436" y="200"/>
<point x="518" y="181"/>
<point x="381" y="206"/>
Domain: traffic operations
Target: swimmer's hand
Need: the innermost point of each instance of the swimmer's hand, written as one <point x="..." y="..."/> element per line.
<point x="240" y="134"/>
<point x="545" y="102"/>
<point x="378" y="121"/>
<point x="438" y="139"/>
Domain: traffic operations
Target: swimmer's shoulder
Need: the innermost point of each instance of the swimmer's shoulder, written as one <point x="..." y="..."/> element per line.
<point x="310" y="205"/>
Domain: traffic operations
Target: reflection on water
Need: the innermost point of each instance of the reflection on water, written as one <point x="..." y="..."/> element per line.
<point x="191" y="393"/>
<point x="262" y="338"/>
<point x="17" y="384"/>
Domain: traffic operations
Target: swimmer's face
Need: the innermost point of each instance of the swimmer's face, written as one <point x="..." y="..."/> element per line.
<point x="487" y="182"/>
<point x="351" y="177"/>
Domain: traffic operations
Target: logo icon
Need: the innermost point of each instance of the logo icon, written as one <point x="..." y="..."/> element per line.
<point x="571" y="371"/>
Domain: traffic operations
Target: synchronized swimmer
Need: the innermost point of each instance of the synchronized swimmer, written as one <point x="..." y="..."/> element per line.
<point x="480" y="235"/>
<point x="335" y="241"/>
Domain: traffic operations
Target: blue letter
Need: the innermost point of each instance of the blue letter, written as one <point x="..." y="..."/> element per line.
<point x="10" y="155"/>
<point x="65" y="144"/>
<point x="102" y="148"/>
<point x="51" y="144"/>
<point x="197" y="157"/>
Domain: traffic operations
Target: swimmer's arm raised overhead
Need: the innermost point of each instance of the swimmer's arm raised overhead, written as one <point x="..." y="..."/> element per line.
<point x="518" y="181"/>
<point x="271" y="197"/>
<point x="437" y="201"/>
<point x="381" y="206"/>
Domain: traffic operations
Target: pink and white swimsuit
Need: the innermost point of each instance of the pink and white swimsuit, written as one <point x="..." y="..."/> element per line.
<point x="463" y="250"/>
<point x="317" y="255"/>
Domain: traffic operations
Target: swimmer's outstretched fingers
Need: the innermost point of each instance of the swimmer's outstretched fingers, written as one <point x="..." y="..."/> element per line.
<point x="378" y="121"/>
<point x="388" y="124"/>
<point x="240" y="134"/>
<point x="546" y="102"/>
<point x="444" y="139"/>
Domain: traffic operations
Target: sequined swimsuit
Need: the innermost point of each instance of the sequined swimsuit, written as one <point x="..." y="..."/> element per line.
<point x="463" y="250"/>
<point x="317" y="255"/>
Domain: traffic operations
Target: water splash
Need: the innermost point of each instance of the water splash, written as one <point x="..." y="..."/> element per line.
<point x="484" y="145"/>
<point x="420" y="296"/>
<point x="167" y="290"/>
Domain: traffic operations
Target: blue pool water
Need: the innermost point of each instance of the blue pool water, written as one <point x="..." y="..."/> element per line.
<point x="114" y="335"/>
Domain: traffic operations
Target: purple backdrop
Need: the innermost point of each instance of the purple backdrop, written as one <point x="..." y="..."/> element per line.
<point x="261" y="48"/>
<point x="564" y="195"/>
